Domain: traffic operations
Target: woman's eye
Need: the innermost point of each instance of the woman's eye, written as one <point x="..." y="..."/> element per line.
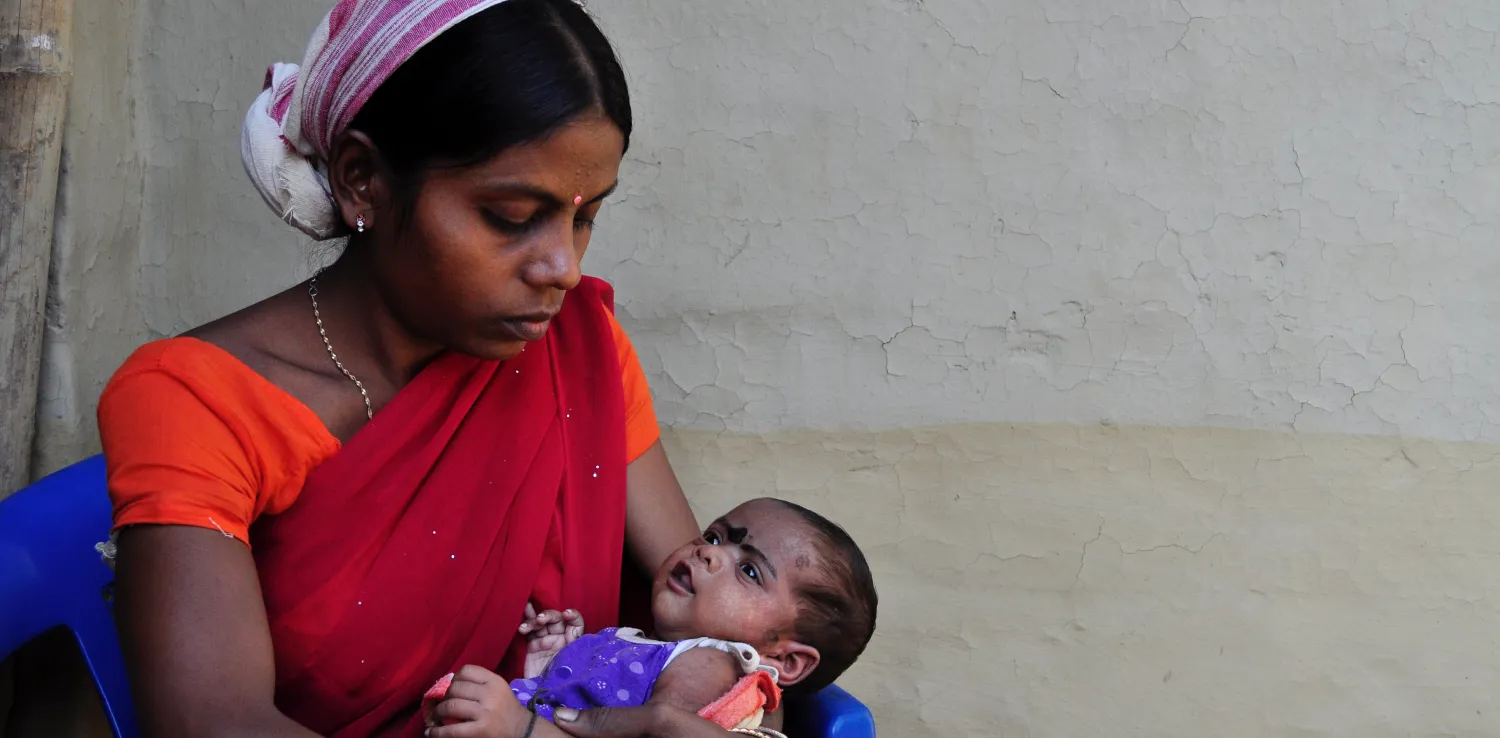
<point x="749" y="570"/>
<point x="711" y="538"/>
<point x="583" y="224"/>
<point x="506" y="225"/>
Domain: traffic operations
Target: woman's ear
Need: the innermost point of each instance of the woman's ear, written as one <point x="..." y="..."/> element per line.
<point x="794" y="661"/>
<point x="357" y="178"/>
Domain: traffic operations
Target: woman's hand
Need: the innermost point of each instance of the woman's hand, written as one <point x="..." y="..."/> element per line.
<point x="479" y="704"/>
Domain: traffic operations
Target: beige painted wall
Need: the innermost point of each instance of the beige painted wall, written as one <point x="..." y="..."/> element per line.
<point x="1098" y="323"/>
<point x="1062" y="581"/>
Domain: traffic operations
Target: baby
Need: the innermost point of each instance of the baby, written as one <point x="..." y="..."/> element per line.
<point x="772" y="596"/>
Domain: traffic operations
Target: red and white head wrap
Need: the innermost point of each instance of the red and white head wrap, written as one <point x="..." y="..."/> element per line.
<point x="289" y="131"/>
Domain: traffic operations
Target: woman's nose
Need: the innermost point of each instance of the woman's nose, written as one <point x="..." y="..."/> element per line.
<point x="556" y="261"/>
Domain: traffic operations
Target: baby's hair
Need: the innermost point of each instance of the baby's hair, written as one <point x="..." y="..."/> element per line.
<point x="836" y="613"/>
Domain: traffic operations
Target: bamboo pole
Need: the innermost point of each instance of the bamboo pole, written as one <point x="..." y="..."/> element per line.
<point x="35" y="71"/>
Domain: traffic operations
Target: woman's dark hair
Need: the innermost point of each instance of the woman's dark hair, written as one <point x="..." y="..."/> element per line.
<point x="509" y="75"/>
<point x="836" y="612"/>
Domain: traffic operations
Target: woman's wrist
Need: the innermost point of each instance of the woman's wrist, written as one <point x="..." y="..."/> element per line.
<point x="673" y="722"/>
<point x="667" y="720"/>
<point x="652" y="720"/>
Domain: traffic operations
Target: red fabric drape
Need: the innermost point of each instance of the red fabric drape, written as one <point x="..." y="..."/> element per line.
<point x="414" y="549"/>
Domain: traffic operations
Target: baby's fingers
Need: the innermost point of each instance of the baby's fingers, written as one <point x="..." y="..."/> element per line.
<point x="537" y="624"/>
<point x="464" y="716"/>
<point x="555" y="624"/>
<point x="456" y="730"/>
<point x="552" y="622"/>
<point x="548" y="622"/>
<point x="573" y="620"/>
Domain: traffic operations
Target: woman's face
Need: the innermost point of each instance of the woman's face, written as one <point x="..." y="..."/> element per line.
<point x="487" y="252"/>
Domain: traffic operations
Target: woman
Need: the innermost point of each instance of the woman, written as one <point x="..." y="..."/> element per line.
<point x="326" y="501"/>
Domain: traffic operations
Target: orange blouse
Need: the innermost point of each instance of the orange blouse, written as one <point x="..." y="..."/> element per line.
<point x="194" y="437"/>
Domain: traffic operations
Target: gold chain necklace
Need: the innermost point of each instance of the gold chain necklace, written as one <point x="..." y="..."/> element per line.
<point x="312" y="292"/>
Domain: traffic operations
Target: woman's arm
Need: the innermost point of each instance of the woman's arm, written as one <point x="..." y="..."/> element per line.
<point x="657" y="517"/>
<point x="694" y="680"/>
<point x="482" y="706"/>
<point x="193" y="630"/>
<point x="648" y="721"/>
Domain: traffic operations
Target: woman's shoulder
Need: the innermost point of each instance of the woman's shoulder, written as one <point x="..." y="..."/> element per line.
<point x="191" y="376"/>
<point x="182" y="357"/>
<point x="199" y="366"/>
<point x="245" y="360"/>
<point x="193" y="436"/>
<point x="172" y="369"/>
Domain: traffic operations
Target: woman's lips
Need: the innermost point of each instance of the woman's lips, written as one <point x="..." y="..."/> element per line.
<point x="527" y="329"/>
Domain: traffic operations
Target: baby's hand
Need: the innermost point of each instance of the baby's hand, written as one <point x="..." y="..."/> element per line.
<point x="548" y="633"/>
<point x="477" y="704"/>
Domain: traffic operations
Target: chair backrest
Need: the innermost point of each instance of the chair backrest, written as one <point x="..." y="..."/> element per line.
<point x="831" y="713"/>
<point x="51" y="577"/>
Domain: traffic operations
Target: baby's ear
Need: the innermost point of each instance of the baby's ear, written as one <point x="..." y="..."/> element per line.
<point x="794" y="661"/>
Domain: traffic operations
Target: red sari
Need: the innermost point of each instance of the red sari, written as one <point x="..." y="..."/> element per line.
<point x="414" y="550"/>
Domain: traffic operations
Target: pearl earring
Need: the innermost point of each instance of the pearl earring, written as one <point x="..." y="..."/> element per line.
<point x="359" y="223"/>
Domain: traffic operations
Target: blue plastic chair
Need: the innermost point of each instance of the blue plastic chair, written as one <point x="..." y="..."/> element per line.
<point x="832" y="713"/>
<point x="51" y="577"/>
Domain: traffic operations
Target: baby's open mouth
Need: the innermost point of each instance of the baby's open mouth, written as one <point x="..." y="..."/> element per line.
<point x="681" y="577"/>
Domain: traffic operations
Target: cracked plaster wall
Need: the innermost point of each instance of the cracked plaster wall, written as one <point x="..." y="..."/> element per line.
<point x="158" y="227"/>
<point x="1251" y="214"/>
<point x="900" y="259"/>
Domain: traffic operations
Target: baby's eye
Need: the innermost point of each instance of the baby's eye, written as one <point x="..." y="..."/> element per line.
<point x="711" y="538"/>
<point x="749" y="570"/>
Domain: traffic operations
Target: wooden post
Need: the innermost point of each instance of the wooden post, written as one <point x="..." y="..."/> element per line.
<point x="35" y="72"/>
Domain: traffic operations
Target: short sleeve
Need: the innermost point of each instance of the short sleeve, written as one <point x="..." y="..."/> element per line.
<point x="194" y="437"/>
<point x="172" y="460"/>
<point x="641" y="428"/>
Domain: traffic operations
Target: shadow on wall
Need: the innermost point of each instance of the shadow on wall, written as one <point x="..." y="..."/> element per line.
<point x="1062" y="581"/>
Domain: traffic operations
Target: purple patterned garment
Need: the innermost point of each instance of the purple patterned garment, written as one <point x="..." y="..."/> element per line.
<point x="610" y="668"/>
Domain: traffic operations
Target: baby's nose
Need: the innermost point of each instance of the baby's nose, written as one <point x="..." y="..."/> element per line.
<point x="713" y="558"/>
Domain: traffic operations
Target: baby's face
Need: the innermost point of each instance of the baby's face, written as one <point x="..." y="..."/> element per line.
<point x="739" y="581"/>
